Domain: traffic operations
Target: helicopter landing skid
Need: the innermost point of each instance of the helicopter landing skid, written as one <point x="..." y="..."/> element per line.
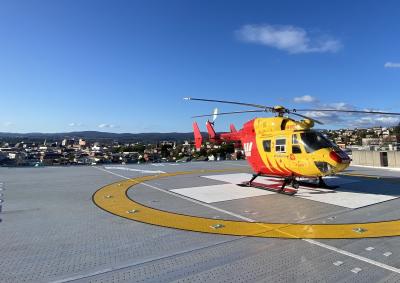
<point x="278" y="188"/>
<point x="285" y="191"/>
<point x="321" y="184"/>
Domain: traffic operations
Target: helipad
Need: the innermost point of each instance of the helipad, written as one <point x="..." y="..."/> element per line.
<point x="191" y="222"/>
<point x="113" y="198"/>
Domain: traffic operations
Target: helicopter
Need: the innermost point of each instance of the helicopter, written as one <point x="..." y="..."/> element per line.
<point x="281" y="146"/>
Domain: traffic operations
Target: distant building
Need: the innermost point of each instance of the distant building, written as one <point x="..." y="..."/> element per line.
<point x="82" y="142"/>
<point x="341" y="145"/>
<point x="67" y="142"/>
<point x="371" y="141"/>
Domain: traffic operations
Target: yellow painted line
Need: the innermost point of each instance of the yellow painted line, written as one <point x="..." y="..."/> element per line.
<point x="113" y="198"/>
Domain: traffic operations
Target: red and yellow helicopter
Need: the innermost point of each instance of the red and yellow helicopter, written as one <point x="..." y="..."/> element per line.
<point x="280" y="146"/>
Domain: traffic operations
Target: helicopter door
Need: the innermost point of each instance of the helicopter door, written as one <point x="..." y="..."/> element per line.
<point x="295" y="155"/>
<point x="281" y="153"/>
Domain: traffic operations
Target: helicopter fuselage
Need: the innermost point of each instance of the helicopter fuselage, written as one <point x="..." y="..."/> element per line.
<point x="280" y="146"/>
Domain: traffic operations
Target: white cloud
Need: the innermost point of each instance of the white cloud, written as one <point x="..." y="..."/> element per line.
<point x="305" y="99"/>
<point x="106" y="126"/>
<point x="73" y="124"/>
<point x="326" y="117"/>
<point x="388" y="120"/>
<point x="336" y="118"/>
<point x="318" y="114"/>
<point x="339" y="106"/>
<point x="376" y="120"/>
<point x="289" y="38"/>
<point x="8" y="124"/>
<point x="392" y="65"/>
<point x="358" y="120"/>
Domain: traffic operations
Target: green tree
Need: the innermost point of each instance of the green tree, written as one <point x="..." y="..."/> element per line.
<point x="138" y="148"/>
<point x="165" y="150"/>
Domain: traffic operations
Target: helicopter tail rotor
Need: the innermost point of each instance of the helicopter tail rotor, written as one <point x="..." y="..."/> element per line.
<point x="215" y="115"/>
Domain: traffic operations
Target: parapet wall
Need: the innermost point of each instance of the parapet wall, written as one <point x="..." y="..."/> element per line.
<point x="376" y="158"/>
<point x="393" y="158"/>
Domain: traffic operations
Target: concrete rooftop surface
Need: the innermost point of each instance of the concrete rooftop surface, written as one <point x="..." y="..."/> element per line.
<point x="53" y="230"/>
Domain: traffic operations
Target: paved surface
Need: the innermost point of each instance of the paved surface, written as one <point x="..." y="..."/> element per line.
<point x="52" y="231"/>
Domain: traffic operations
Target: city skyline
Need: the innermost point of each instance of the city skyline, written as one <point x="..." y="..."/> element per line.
<point x="126" y="66"/>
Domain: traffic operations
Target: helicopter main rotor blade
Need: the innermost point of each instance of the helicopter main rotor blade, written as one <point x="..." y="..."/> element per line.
<point x="231" y="102"/>
<point x="229" y="113"/>
<point x="303" y="116"/>
<point x="347" y="111"/>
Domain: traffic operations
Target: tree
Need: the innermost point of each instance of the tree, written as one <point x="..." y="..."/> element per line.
<point x="227" y="148"/>
<point x="138" y="148"/>
<point x="165" y="150"/>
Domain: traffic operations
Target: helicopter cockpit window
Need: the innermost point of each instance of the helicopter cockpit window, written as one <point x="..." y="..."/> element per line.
<point x="280" y="145"/>
<point x="267" y="145"/>
<point x="294" y="139"/>
<point x="314" y="141"/>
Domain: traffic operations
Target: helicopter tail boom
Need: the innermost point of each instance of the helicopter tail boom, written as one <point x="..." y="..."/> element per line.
<point x="233" y="135"/>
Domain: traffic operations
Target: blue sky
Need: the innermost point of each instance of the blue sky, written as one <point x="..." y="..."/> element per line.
<point x="124" y="66"/>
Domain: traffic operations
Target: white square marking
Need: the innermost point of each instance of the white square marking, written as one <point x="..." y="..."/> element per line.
<point x="335" y="197"/>
<point x="345" y="199"/>
<point x="230" y="178"/>
<point x="216" y="193"/>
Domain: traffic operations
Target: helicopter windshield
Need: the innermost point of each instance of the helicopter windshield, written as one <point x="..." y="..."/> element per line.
<point x="313" y="141"/>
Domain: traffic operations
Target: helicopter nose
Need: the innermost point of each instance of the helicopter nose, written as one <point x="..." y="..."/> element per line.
<point x="339" y="156"/>
<point x="335" y="157"/>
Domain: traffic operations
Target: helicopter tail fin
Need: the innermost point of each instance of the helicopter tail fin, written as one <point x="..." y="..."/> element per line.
<point x="198" y="139"/>
<point x="211" y="132"/>
<point x="232" y="128"/>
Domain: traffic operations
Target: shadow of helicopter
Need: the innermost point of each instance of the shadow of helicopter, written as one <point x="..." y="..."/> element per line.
<point x="378" y="185"/>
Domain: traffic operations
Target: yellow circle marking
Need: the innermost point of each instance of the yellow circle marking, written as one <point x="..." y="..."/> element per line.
<point x="113" y="198"/>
